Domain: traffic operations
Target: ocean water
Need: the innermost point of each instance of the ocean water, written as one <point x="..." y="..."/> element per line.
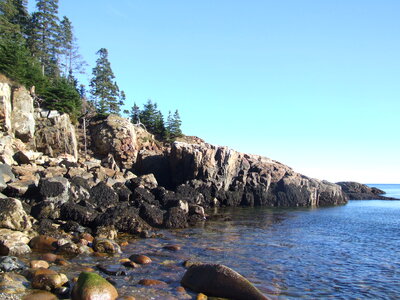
<point x="343" y="252"/>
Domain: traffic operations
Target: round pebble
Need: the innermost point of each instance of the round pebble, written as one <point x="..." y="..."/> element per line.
<point x="140" y="259"/>
<point x="150" y="282"/>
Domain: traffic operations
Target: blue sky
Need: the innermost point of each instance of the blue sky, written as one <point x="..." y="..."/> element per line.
<point x="312" y="84"/>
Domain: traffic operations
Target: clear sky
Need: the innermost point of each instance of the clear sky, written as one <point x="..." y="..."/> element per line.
<point x="312" y="84"/>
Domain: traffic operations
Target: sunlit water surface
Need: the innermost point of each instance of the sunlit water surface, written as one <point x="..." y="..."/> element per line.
<point x="344" y="252"/>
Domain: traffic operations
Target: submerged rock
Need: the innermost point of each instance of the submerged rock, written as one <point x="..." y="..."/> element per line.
<point x="11" y="263"/>
<point x="220" y="281"/>
<point x="92" y="286"/>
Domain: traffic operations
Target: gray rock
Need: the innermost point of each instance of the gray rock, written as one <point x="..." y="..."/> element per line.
<point x="5" y="107"/>
<point x="13" y="243"/>
<point x="23" y="121"/>
<point x="11" y="263"/>
<point x="13" y="215"/>
<point x="54" y="190"/>
<point x="220" y="281"/>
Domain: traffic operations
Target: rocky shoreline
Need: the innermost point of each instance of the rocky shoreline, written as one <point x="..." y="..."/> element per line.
<point x="69" y="200"/>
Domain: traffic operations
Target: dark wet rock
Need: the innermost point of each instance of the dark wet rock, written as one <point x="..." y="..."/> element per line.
<point x="175" y="218"/>
<point x="358" y="191"/>
<point x="46" y="210"/>
<point x="14" y="243"/>
<point x="55" y="190"/>
<point x="13" y="215"/>
<point x="74" y="249"/>
<point x="123" y="218"/>
<point x="47" y="227"/>
<point x="103" y="196"/>
<point x="43" y="242"/>
<point x="152" y="214"/>
<point x="11" y="263"/>
<point x="20" y="188"/>
<point x="106" y="232"/>
<point x="172" y="247"/>
<point x="141" y="195"/>
<point x="72" y="226"/>
<point x="123" y="192"/>
<point x="79" y="189"/>
<point x="151" y="282"/>
<point x="114" y="270"/>
<point x="106" y="246"/>
<point x="93" y="286"/>
<point x="140" y="259"/>
<point x="80" y="214"/>
<point x="11" y="283"/>
<point x="220" y="281"/>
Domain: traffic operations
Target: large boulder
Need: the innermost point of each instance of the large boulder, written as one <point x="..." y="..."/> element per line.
<point x="220" y="281"/>
<point x="116" y="136"/>
<point x="13" y="215"/>
<point x="55" y="135"/>
<point x="93" y="286"/>
<point x="5" y="107"/>
<point x="54" y="190"/>
<point x="23" y="120"/>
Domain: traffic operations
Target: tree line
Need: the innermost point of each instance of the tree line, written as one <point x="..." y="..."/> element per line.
<point x="41" y="50"/>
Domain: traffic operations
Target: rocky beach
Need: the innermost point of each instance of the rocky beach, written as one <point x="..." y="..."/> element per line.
<point x="98" y="186"/>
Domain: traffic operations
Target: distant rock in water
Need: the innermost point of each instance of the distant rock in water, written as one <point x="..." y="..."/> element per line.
<point x="359" y="191"/>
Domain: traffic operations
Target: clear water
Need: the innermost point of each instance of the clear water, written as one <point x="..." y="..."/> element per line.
<point x="342" y="252"/>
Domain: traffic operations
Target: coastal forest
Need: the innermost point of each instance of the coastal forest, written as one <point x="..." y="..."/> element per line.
<point x="40" y="50"/>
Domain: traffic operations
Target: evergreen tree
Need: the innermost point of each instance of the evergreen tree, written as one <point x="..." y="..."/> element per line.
<point x="104" y="90"/>
<point x="64" y="97"/>
<point x="174" y="125"/>
<point x="14" y="19"/>
<point x="71" y="62"/>
<point x="135" y="114"/>
<point x="44" y="36"/>
<point x="148" y="115"/>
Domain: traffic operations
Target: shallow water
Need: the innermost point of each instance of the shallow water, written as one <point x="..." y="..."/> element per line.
<point x="344" y="252"/>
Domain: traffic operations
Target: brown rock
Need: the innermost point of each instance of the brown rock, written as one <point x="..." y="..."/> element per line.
<point x="48" y="281"/>
<point x="150" y="282"/>
<point x="40" y="295"/>
<point x="172" y="247"/>
<point x="43" y="242"/>
<point x="50" y="257"/>
<point x="35" y="264"/>
<point x="201" y="297"/>
<point x="140" y="259"/>
<point x="180" y="289"/>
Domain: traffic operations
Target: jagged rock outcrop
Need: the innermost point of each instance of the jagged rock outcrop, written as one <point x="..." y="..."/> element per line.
<point x="55" y="135"/>
<point x="5" y="108"/>
<point x="23" y="120"/>
<point x="232" y="178"/>
<point x="358" y="191"/>
<point x="116" y="136"/>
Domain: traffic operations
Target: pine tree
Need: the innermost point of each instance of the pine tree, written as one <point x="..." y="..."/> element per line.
<point x="147" y="115"/>
<point x="104" y="90"/>
<point x="44" y="36"/>
<point x="174" y="125"/>
<point x="14" y="18"/>
<point x="71" y="62"/>
<point x="135" y="114"/>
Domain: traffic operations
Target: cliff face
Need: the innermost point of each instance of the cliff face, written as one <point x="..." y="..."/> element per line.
<point x="213" y="175"/>
<point x="235" y="178"/>
<point x="24" y="128"/>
